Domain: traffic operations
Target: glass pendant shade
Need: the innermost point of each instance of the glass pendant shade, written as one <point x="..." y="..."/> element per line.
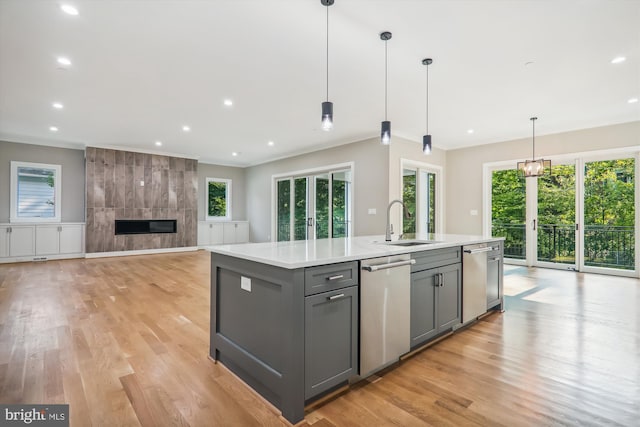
<point x="385" y="132"/>
<point x="426" y="144"/>
<point x="327" y="116"/>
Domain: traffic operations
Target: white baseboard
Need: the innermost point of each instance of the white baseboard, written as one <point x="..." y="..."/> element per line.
<point x="38" y="258"/>
<point x="140" y="252"/>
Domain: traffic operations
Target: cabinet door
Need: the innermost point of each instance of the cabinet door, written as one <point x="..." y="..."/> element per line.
<point x="22" y="240"/>
<point x="242" y="232"/>
<point x="47" y="239"/>
<point x="449" y="297"/>
<point x="71" y="241"/>
<point x="4" y="242"/>
<point x="423" y="298"/>
<point x="216" y="234"/>
<point x="203" y="233"/>
<point x="331" y="339"/>
<point x="229" y="233"/>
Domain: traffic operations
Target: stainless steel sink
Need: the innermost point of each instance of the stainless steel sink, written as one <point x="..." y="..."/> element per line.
<point x="409" y="242"/>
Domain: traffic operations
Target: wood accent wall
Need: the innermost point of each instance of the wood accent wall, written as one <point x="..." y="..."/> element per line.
<point x="114" y="191"/>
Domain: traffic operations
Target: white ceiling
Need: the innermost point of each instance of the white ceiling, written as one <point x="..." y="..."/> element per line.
<point x="143" y="69"/>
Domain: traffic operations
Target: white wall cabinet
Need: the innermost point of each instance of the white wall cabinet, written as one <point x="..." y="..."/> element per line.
<point x="37" y="241"/>
<point x="222" y="232"/>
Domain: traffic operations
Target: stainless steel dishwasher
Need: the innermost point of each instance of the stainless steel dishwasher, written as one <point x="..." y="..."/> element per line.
<point x="385" y="291"/>
<point x="474" y="281"/>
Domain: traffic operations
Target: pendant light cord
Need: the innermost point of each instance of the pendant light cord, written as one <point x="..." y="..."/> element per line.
<point x="534" y="138"/>
<point x="427" y="101"/>
<point x="327" y="53"/>
<point x="385" y="80"/>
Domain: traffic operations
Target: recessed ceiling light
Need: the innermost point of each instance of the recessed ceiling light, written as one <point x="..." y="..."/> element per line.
<point x="228" y="102"/>
<point x="57" y="106"/>
<point x="632" y="100"/>
<point x="53" y="129"/>
<point x="69" y="10"/>
<point x="64" y="61"/>
<point x="186" y="128"/>
<point x="618" y="60"/>
<point x="234" y="154"/>
<point x="270" y="143"/>
<point x="158" y="143"/>
<point x="470" y="131"/>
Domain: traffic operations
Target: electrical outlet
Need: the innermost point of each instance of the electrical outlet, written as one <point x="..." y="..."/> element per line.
<point x="245" y="283"/>
<point x="372" y="211"/>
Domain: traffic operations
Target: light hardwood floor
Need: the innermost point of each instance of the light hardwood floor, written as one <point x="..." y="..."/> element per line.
<point x="125" y="341"/>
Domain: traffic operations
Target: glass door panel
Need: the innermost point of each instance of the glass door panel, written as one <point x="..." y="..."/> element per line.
<point x="508" y="211"/>
<point x="322" y="197"/>
<point x="556" y="220"/>
<point x="341" y="195"/>
<point x="609" y="214"/>
<point x="300" y="209"/>
<point x="409" y="197"/>
<point x="430" y="202"/>
<point x="283" y="224"/>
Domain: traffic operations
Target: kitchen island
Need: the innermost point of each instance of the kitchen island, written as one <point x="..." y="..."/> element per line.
<point x="296" y="320"/>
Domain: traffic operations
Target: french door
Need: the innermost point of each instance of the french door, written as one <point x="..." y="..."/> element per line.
<point x="314" y="206"/>
<point x="421" y="189"/>
<point x="582" y="216"/>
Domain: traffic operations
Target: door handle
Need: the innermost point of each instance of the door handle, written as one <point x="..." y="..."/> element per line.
<point x="334" y="297"/>
<point x="577" y="227"/>
<point x="309" y="222"/>
<point x="534" y="224"/>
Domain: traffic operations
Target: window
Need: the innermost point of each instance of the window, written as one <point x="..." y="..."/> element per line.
<point x="218" y="199"/>
<point x="35" y="192"/>
<point x="421" y="194"/>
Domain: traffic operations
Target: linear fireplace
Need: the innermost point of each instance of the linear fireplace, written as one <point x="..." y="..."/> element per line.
<point x="146" y="226"/>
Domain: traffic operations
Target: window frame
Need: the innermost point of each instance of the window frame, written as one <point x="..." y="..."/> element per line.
<point x="57" y="192"/>
<point x="228" y="199"/>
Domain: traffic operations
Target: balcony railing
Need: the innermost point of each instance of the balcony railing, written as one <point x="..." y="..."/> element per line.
<point x="604" y="246"/>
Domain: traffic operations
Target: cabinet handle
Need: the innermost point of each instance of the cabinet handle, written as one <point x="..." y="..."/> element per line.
<point x="335" y="297"/>
<point x="441" y="279"/>
<point x="336" y="277"/>
<point x="436" y="280"/>
<point x="9" y="230"/>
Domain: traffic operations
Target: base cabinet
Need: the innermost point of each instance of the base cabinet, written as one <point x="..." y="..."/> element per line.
<point x="331" y="338"/>
<point x="219" y="233"/>
<point x="435" y="302"/>
<point x="21" y="241"/>
<point x="44" y="241"/>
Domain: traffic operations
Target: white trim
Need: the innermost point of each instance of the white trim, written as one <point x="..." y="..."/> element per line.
<point x="310" y="171"/>
<point x="57" y="188"/>
<point x="140" y="252"/>
<point x="38" y="258"/>
<point x="228" y="197"/>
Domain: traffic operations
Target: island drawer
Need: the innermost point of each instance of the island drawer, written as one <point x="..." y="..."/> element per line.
<point x="434" y="258"/>
<point x="329" y="277"/>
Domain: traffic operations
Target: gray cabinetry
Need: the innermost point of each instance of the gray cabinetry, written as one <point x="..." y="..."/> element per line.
<point x="435" y="294"/>
<point x="331" y="337"/>
<point x="495" y="292"/>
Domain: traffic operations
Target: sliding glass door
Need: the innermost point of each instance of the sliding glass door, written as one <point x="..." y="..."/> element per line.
<point x="582" y="216"/>
<point x="555" y="223"/>
<point x="609" y="214"/>
<point x="313" y="207"/>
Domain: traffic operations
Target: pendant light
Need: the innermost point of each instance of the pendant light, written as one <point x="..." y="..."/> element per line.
<point x="327" y="107"/>
<point x="426" y="139"/>
<point x="385" y="128"/>
<point x="532" y="168"/>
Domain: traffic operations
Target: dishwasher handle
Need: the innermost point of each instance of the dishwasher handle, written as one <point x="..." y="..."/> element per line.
<point x="478" y="251"/>
<point x="378" y="267"/>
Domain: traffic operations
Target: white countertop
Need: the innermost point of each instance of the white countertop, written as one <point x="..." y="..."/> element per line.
<point x="307" y="253"/>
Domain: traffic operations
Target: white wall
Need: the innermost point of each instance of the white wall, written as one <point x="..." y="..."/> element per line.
<point x="370" y="185"/>
<point x="465" y="166"/>
<point x="238" y="189"/>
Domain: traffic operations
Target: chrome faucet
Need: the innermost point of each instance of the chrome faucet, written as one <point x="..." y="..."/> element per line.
<point x="389" y="231"/>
